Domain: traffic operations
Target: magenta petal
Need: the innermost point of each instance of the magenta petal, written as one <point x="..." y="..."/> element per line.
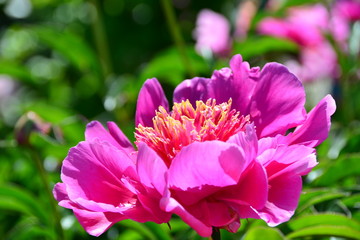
<point x="274" y="27"/>
<point x="243" y="83"/>
<point x="96" y="223"/>
<point x="120" y="137"/>
<point x="193" y="90"/>
<point x="224" y="165"/>
<point x="277" y="102"/>
<point x="95" y="130"/>
<point x="252" y="189"/>
<point x="169" y="204"/>
<point x="93" y="171"/>
<point x="293" y="160"/>
<point x="317" y="125"/>
<point x="283" y="199"/>
<point x="151" y="168"/>
<point x="247" y="141"/>
<point x="151" y="97"/>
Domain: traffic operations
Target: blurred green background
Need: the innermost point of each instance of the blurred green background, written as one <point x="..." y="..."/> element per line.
<point x="64" y="63"/>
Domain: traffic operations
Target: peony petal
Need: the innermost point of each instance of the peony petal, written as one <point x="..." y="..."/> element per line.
<point x="211" y="163"/>
<point x="317" y="125"/>
<point x="93" y="171"/>
<point x="294" y="160"/>
<point x="252" y="189"/>
<point x="193" y="90"/>
<point x="120" y="137"/>
<point x="278" y="101"/>
<point x="151" y="97"/>
<point x="247" y="141"/>
<point x="283" y="199"/>
<point x="95" y="130"/>
<point x="96" y="223"/>
<point x="151" y="168"/>
<point x="169" y="204"/>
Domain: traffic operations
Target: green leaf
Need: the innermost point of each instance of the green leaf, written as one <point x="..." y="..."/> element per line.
<point x="352" y="201"/>
<point x="17" y="71"/>
<point x="257" y="233"/>
<point x="316" y="197"/>
<point x="17" y="199"/>
<point x="140" y="228"/>
<point x="344" y="167"/>
<point x="161" y="231"/>
<point x="326" y="230"/>
<point x="28" y="228"/>
<point x="71" y="46"/>
<point x="258" y="46"/>
<point x="323" y="219"/>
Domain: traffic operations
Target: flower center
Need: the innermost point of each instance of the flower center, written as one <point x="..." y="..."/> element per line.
<point x="186" y="124"/>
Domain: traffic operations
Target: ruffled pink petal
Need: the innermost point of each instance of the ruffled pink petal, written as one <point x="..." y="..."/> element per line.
<point x="237" y="82"/>
<point x="284" y="166"/>
<point x="151" y="168"/>
<point x="95" y="130"/>
<point x="224" y="165"/>
<point x="252" y="189"/>
<point x="278" y="101"/>
<point x="294" y="159"/>
<point x="96" y="223"/>
<point x="93" y="171"/>
<point x="247" y="141"/>
<point x="151" y="96"/>
<point x="169" y="204"/>
<point x="120" y="137"/>
<point x="317" y="125"/>
<point x="193" y="90"/>
<point x="283" y="199"/>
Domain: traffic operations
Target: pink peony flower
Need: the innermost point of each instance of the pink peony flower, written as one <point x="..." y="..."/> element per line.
<point x="212" y="33"/>
<point x="306" y="26"/>
<point x="312" y="62"/>
<point x="222" y="154"/>
<point x="347" y="9"/>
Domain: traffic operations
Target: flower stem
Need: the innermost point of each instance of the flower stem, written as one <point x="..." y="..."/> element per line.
<point x="101" y="40"/>
<point x="176" y="35"/>
<point x="215" y="234"/>
<point x="44" y="178"/>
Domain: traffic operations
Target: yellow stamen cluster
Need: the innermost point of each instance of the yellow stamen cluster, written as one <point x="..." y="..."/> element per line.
<point x="186" y="124"/>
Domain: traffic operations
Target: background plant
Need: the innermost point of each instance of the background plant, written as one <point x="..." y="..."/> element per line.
<point x="63" y="63"/>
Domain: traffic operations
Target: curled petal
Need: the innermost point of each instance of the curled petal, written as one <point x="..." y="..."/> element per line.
<point x="169" y="204"/>
<point x="151" y="96"/>
<point x="95" y="130"/>
<point x="317" y="125"/>
<point x="213" y="163"/>
<point x="91" y="171"/>
<point x="151" y="168"/>
<point x="96" y="223"/>
<point x="278" y="101"/>
<point x="193" y="90"/>
<point x="283" y="200"/>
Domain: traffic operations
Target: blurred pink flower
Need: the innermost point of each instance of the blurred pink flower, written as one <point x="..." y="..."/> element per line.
<point x="347" y="9"/>
<point x="344" y="12"/>
<point x="306" y="25"/>
<point x="312" y="62"/>
<point x="212" y="33"/>
<point x="222" y="154"/>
